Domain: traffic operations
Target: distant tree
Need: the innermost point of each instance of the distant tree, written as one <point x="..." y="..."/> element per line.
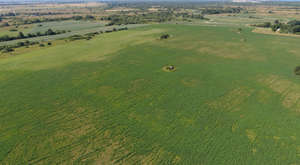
<point x="13" y="30"/>
<point x="275" y="27"/>
<point x="50" y="32"/>
<point x="164" y="36"/>
<point x="4" y="24"/>
<point x="89" y="17"/>
<point x="77" y="17"/>
<point x="5" y="38"/>
<point x="7" y="50"/>
<point x="294" y="23"/>
<point x="297" y="70"/>
<point x="296" y="29"/>
<point x="21" y="35"/>
<point x="264" y="25"/>
<point x="20" y="44"/>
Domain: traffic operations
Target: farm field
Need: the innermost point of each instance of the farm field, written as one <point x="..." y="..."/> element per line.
<point x="233" y="99"/>
<point x="75" y="27"/>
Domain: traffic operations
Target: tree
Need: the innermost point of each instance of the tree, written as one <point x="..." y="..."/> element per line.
<point x="275" y="27"/>
<point x="294" y="23"/>
<point x="264" y="25"/>
<point x="77" y="17"/>
<point x="297" y="70"/>
<point x="89" y="17"/>
<point x="296" y="29"/>
<point x="7" y="49"/>
<point x="164" y="36"/>
<point x="50" y="32"/>
<point x="4" y="24"/>
<point x="19" y="44"/>
<point x="21" y="35"/>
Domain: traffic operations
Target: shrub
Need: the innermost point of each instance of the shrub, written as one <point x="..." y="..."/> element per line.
<point x="296" y="29"/>
<point x="4" y="24"/>
<point x="13" y="30"/>
<point x="20" y="44"/>
<point x="297" y="70"/>
<point x="264" y="25"/>
<point x="164" y="36"/>
<point x="7" y="50"/>
<point x="294" y="23"/>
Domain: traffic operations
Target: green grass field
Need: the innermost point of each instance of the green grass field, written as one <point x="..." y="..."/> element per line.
<point x="233" y="99"/>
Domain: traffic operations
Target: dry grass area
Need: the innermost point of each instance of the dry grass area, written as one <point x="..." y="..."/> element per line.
<point x="232" y="99"/>
<point x="289" y="91"/>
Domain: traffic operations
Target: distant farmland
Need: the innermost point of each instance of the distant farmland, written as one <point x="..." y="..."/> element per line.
<point x="76" y="27"/>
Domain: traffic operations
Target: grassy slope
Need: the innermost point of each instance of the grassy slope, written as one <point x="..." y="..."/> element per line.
<point x="108" y="100"/>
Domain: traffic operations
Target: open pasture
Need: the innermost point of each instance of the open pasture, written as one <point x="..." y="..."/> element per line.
<point x="233" y="99"/>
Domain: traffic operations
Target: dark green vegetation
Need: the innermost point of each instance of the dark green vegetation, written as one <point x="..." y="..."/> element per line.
<point x="10" y="48"/>
<point x="159" y="17"/>
<point x="21" y="35"/>
<point x="297" y="70"/>
<point x="164" y="36"/>
<point x="222" y="10"/>
<point x="108" y="101"/>
<point x="20" y="21"/>
<point x="289" y="27"/>
<point x="87" y="36"/>
<point x="74" y="28"/>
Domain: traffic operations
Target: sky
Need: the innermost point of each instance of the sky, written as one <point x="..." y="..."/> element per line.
<point x="26" y="1"/>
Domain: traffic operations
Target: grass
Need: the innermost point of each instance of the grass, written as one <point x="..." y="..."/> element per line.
<point x="6" y="30"/>
<point x="108" y="101"/>
<point x="76" y="27"/>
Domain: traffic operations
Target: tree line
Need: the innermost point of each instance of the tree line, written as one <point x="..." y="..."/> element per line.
<point x="289" y="27"/>
<point x="221" y="10"/>
<point x="10" y="48"/>
<point x="88" y="36"/>
<point x="149" y="17"/>
<point x="21" y="35"/>
<point x="38" y="20"/>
